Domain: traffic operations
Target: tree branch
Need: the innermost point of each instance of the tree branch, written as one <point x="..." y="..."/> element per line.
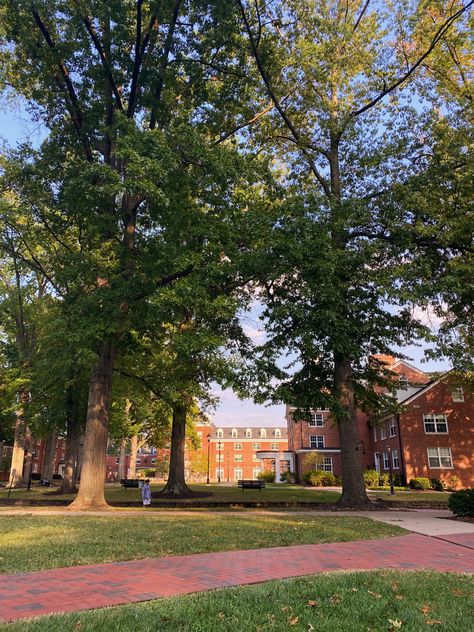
<point x="286" y="119"/>
<point x="105" y="64"/>
<point x="251" y="121"/>
<point x="68" y="87"/>
<point x="438" y="36"/>
<point x="164" y="63"/>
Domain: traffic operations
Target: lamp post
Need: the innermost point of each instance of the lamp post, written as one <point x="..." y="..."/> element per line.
<point x="208" y="451"/>
<point x="390" y="471"/>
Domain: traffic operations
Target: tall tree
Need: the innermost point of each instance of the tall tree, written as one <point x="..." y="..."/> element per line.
<point x="133" y="95"/>
<point x="341" y="78"/>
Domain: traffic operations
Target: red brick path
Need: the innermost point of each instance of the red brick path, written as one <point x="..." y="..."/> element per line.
<point x="84" y="587"/>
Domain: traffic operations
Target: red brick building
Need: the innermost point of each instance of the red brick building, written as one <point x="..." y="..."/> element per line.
<point x="432" y="436"/>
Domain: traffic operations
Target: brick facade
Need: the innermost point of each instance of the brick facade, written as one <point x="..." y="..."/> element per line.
<point x="433" y="436"/>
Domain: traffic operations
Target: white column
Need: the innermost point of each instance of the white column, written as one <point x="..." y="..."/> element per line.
<point x="277" y="468"/>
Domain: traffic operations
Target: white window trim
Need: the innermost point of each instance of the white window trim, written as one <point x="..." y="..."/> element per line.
<point x="234" y="433"/>
<point x="392" y="425"/>
<point x="278" y="433"/>
<point x="386" y="460"/>
<point x="440" y="467"/>
<point x="220" y="433"/>
<point x="436" y="432"/>
<point x="458" y="395"/>
<point x="395" y="457"/>
<point x="238" y="447"/>
<point x="313" y="421"/>
<point x="316" y="437"/>
<point x="383" y="432"/>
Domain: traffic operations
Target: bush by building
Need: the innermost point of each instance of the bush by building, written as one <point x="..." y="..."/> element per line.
<point x="461" y="503"/>
<point x="420" y="483"/>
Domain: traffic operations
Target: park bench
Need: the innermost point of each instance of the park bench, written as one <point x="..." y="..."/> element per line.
<point x="129" y="482"/>
<point x="249" y="484"/>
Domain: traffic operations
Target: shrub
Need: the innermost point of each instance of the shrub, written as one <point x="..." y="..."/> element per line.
<point x="437" y="484"/>
<point x="384" y="480"/>
<point x="452" y="482"/>
<point x="461" y="503"/>
<point x="371" y="478"/>
<point x="420" y="483"/>
<point x="150" y="473"/>
<point x="287" y="477"/>
<point x="319" y="478"/>
<point x="268" y="477"/>
<point x="398" y="480"/>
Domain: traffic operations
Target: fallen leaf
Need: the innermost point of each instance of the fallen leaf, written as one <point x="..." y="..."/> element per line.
<point x="458" y="592"/>
<point x="354" y="589"/>
<point x="221" y="616"/>
<point x="395" y="624"/>
<point x="374" y="594"/>
<point x="312" y="603"/>
<point x="293" y="620"/>
<point x="433" y="622"/>
<point x="398" y="597"/>
<point x="335" y="599"/>
<point x="310" y="627"/>
<point x="425" y="609"/>
<point x="285" y="608"/>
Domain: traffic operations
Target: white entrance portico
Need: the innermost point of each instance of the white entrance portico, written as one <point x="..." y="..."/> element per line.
<point x="278" y="457"/>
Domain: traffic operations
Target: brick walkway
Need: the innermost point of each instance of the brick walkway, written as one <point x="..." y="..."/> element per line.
<point x="84" y="587"/>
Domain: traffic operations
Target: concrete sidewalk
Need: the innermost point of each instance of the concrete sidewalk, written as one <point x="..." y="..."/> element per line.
<point x="84" y="587"/>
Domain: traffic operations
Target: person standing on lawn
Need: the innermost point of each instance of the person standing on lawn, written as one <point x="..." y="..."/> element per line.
<point x="146" y="493"/>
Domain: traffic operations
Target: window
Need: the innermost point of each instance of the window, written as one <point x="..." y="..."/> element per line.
<point x="316" y="419"/>
<point x="153" y="461"/>
<point x="255" y="446"/>
<point x="238" y="473"/>
<point x="117" y="461"/>
<point x="274" y="446"/>
<point x="256" y="471"/>
<point x="138" y="461"/>
<point x="435" y="424"/>
<point x="219" y="473"/>
<point x="392" y="427"/>
<point x="325" y="465"/>
<point x="263" y="433"/>
<point x="316" y="441"/>
<point x="383" y="432"/>
<point x="375" y="433"/>
<point x="237" y="446"/>
<point x="458" y="395"/>
<point x="386" y="461"/>
<point x="277" y="433"/>
<point x="248" y="433"/>
<point x="220" y="433"/>
<point x="395" y="460"/>
<point x="238" y="458"/>
<point x="440" y="458"/>
<point x="234" y="433"/>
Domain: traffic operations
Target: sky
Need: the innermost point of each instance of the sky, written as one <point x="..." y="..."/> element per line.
<point x="16" y="127"/>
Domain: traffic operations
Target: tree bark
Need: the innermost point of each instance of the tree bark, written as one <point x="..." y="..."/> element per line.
<point x="47" y="469"/>
<point x="73" y="434"/>
<point x="122" y="459"/>
<point x="18" y="455"/>
<point x="353" y="487"/>
<point x="91" y="490"/>
<point x="134" y="447"/>
<point x="28" y="464"/>
<point x="176" y="484"/>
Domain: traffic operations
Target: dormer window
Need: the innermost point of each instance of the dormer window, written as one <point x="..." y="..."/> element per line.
<point x="220" y="433"/>
<point x="248" y="433"/>
<point x="263" y="433"/>
<point x="234" y="433"/>
<point x="277" y="433"/>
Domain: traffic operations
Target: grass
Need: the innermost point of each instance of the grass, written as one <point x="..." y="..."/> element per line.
<point x="40" y="542"/>
<point x="218" y="493"/>
<point x="228" y="494"/>
<point x="383" y="601"/>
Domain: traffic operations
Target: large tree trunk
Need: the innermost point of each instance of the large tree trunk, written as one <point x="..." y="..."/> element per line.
<point x="47" y="469"/>
<point x="91" y="490"/>
<point x="18" y="456"/>
<point x="122" y="459"/>
<point x="132" y="469"/>
<point x="176" y="484"/>
<point x="73" y="434"/>
<point x="353" y="487"/>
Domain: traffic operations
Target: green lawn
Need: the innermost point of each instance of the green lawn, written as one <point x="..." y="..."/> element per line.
<point x="230" y="494"/>
<point x="218" y="493"/>
<point x="384" y="601"/>
<point x="37" y="542"/>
